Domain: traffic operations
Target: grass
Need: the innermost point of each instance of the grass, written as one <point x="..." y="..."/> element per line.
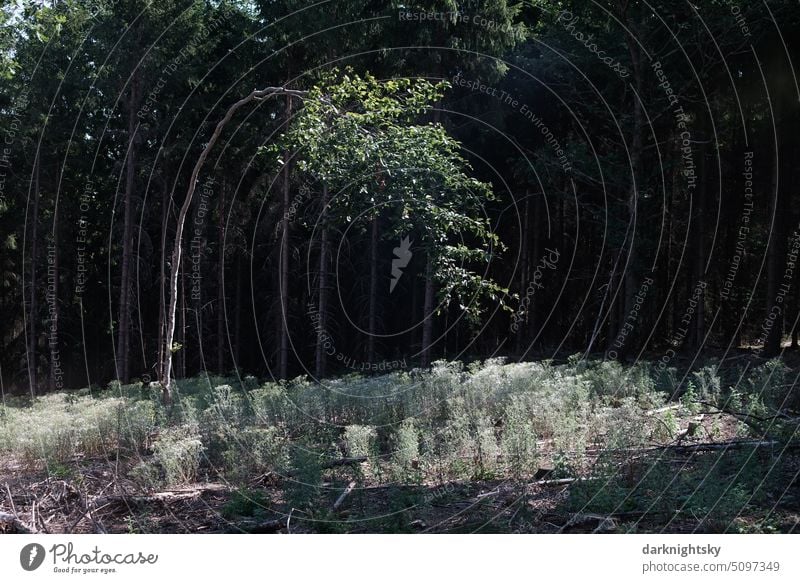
<point x="484" y="422"/>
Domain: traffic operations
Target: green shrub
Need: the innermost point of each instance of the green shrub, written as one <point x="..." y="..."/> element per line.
<point x="57" y="427"/>
<point x="177" y="451"/>
<point x="518" y="441"/>
<point x="405" y="453"/>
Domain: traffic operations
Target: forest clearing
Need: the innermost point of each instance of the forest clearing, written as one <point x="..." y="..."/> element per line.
<point x="493" y="447"/>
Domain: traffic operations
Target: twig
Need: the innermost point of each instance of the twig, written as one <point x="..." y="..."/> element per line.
<point x="11" y="499"/>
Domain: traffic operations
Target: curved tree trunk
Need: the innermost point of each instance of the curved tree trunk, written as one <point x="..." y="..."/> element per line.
<point x="165" y="368"/>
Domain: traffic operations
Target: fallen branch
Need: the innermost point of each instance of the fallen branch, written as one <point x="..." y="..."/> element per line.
<point x="265" y="527"/>
<point x="344" y="495"/>
<point x="17" y="525"/>
<point x="165" y="496"/>
<point x="347" y="461"/>
<point x="721" y="446"/>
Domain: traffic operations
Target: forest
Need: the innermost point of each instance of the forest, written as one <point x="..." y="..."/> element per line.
<point x="377" y="266"/>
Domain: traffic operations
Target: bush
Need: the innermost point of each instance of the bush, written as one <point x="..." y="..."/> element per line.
<point x="57" y="427"/>
<point x="518" y="441"/>
<point x="177" y="452"/>
<point x="405" y="454"/>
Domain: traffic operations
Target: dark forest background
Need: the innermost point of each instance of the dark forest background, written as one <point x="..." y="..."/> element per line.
<point x="642" y="156"/>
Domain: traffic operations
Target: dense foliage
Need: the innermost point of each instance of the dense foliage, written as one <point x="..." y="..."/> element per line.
<point x="618" y="178"/>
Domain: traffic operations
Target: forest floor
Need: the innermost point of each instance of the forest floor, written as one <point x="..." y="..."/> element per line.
<point x="493" y="448"/>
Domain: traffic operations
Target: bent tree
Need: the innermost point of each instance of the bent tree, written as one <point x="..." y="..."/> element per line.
<point x="165" y="366"/>
<point x="364" y="139"/>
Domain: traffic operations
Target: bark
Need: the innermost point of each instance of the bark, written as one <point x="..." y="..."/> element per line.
<point x="699" y="262"/>
<point x="523" y="270"/>
<point x="427" y="314"/>
<point x="630" y="275"/>
<point x="221" y="282"/>
<point x="373" y="290"/>
<point x="162" y="301"/>
<point x="237" y="322"/>
<point x="182" y="336"/>
<point x="775" y="253"/>
<point x="283" y="330"/>
<point x="34" y="308"/>
<point x="55" y="375"/>
<point x="322" y="307"/>
<point x="123" y="329"/>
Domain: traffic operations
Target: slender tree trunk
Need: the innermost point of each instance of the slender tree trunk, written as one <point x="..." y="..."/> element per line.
<point x="53" y="308"/>
<point x="427" y="324"/>
<point x="322" y="307"/>
<point x="221" y="282"/>
<point x="183" y="340"/>
<point x="237" y="322"/>
<point x="34" y="308"/>
<point x="373" y="290"/>
<point x="283" y="363"/>
<point x="631" y="271"/>
<point x="699" y="259"/>
<point x="523" y="275"/>
<point x="123" y="330"/>
<point x="775" y="254"/>
<point x="162" y="300"/>
<point x="532" y="317"/>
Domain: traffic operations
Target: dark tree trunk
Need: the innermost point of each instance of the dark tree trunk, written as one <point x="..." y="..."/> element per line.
<point x="162" y="302"/>
<point x="322" y="307"/>
<point x="53" y="307"/>
<point x="630" y="276"/>
<point x="427" y="314"/>
<point x="373" y="290"/>
<point x="34" y="308"/>
<point x="775" y="255"/>
<point x="283" y="355"/>
<point x="221" y="282"/>
<point x="523" y="269"/>
<point x="123" y="329"/>
<point x="237" y="321"/>
<point x="699" y="249"/>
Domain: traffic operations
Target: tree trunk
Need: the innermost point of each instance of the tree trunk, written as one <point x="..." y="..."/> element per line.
<point x="237" y="321"/>
<point x="427" y="314"/>
<point x="182" y="336"/>
<point x="56" y="382"/>
<point x="699" y="261"/>
<point x="123" y="329"/>
<point x="221" y="282"/>
<point x="165" y="368"/>
<point x="775" y="253"/>
<point x="34" y="308"/>
<point x="631" y="264"/>
<point x="322" y="307"/>
<point x="523" y="271"/>
<point x="162" y="303"/>
<point x="373" y="290"/>
<point x="283" y="330"/>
